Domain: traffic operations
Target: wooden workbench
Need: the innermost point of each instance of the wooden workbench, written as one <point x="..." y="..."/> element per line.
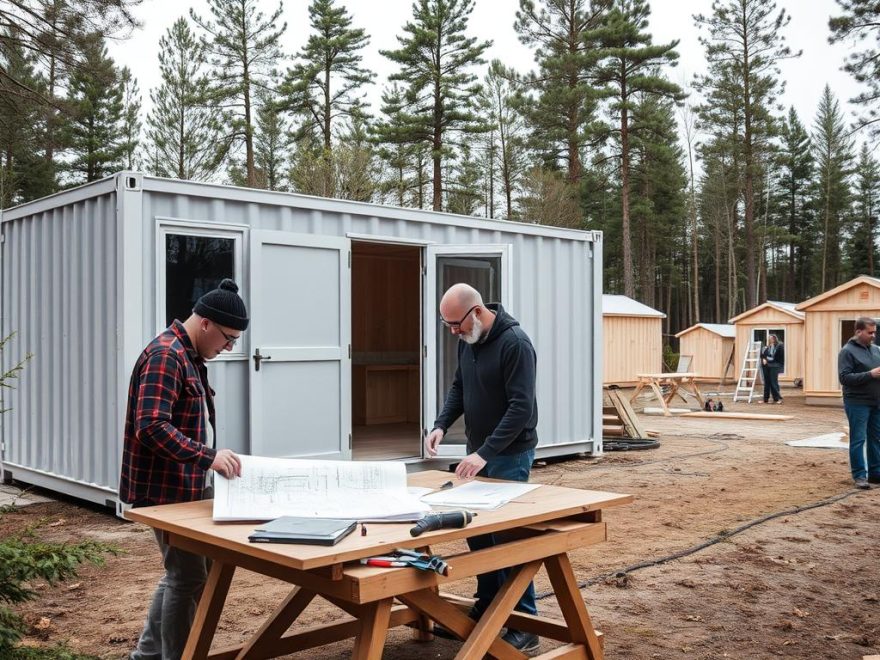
<point x="676" y="382"/>
<point x="539" y="531"/>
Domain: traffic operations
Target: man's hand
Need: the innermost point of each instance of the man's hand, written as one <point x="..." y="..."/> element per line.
<point x="470" y="466"/>
<point x="432" y="441"/>
<point x="227" y="463"/>
<point x="875" y="372"/>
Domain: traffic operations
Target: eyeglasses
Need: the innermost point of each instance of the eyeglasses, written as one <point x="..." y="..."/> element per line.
<point x="230" y="339"/>
<point x="457" y="324"/>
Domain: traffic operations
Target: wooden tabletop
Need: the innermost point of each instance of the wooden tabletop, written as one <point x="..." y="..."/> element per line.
<point x="673" y="374"/>
<point x="193" y="520"/>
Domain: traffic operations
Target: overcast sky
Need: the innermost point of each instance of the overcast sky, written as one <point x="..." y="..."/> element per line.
<point x="804" y="77"/>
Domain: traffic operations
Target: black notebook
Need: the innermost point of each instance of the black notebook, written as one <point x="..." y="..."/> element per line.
<point x="314" y="531"/>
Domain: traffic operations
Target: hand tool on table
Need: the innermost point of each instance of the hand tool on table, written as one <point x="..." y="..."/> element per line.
<point x="403" y="557"/>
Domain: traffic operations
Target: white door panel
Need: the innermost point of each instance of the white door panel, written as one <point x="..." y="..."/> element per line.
<point x="300" y="370"/>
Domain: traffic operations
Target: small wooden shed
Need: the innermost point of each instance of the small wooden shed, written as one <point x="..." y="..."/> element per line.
<point x="773" y="318"/>
<point x="829" y="322"/>
<point x="632" y="338"/>
<point x="711" y="346"/>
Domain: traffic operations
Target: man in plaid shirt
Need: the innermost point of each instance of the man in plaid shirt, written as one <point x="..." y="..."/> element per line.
<point x="169" y="448"/>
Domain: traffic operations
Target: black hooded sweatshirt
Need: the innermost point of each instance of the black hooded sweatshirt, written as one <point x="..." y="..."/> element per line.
<point x="494" y="387"/>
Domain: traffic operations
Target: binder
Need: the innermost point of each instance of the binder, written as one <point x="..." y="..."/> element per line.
<point x="312" y="531"/>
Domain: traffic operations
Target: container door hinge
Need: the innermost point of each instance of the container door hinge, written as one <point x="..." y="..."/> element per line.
<point x="349" y="351"/>
<point x="349" y="258"/>
<point x="349" y="441"/>
<point x="425" y="350"/>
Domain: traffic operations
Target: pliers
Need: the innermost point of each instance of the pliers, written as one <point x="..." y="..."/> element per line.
<point x="404" y="557"/>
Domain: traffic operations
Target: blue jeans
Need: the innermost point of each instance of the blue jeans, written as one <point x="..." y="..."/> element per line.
<point x="771" y="383"/>
<point x="174" y="605"/>
<point x="864" y="429"/>
<point x="515" y="467"/>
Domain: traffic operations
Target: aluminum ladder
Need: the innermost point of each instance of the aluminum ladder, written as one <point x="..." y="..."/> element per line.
<point x="748" y="375"/>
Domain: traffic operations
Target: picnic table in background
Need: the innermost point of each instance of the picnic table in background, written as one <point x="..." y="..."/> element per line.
<point x="677" y="384"/>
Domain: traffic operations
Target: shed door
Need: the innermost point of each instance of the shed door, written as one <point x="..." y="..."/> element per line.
<point x="487" y="269"/>
<point x="300" y="367"/>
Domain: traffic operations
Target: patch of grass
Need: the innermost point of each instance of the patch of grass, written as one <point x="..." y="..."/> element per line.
<point x="59" y="652"/>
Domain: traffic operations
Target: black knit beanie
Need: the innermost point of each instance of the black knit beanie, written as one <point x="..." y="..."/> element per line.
<point x="224" y="306"/>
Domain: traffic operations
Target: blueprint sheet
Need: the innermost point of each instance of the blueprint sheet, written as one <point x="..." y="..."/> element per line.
<point x="272" y="487"/>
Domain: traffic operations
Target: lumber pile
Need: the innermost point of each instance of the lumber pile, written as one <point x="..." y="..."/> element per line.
<point x="738" y="415"/>
<point x="619" y="419"/>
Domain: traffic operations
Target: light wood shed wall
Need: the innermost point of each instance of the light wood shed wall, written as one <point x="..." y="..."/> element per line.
<point x="822" y="336"/>
<point x="633" y="345"/>
<point x="710" y="353"/>
<point x="770" y="318"/>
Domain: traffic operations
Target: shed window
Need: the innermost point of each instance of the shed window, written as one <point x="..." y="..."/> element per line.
<point x="193" y="261"/>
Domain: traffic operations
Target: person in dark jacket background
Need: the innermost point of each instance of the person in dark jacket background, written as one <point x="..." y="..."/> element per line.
<point x="169" y="449"/>
<point x="494" y="387"/>
<point x="772" y="364"/>
<point x="858" y="369"/>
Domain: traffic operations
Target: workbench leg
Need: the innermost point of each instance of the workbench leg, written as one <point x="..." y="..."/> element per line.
<point x="695" y="389"/>
<point x="659" y="394"/>
<point x="572" y="605"/>
<point x="489" y="625"/>
<point x="198" y="644"/>
<point x="635" y="394"/>
<point x="370" y="641"/>
<point x="276" y="625"/>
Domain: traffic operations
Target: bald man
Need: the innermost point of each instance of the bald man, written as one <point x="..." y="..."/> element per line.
<point x="494" y="386"/>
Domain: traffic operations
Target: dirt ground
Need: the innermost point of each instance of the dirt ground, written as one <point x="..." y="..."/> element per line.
<point x="800" y="585"/>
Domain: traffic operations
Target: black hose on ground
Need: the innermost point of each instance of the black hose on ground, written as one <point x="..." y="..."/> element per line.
<point x="629" y="444"/>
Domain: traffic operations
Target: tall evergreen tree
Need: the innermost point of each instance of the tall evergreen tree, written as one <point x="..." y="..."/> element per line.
<point x="832" y="150"/>
<point x="327" y="82"/>
<point x="794" y="181"/>
<point x="505" y="143"/>
<point x="860" y="22"/>
<point x="131" y="118"/>
<point x="863" y="239"/>
<point x="96" y="144"/>
<point x="272" y="146"/>
<point x="629" y="67"/>
<point x="435" y="59"/>
<point x="186" y="137"/>
<point x="243" y="47"/>
<point x="743" y="47"/>
<point x="403" y="179"/>
<point x="561" y="98"/>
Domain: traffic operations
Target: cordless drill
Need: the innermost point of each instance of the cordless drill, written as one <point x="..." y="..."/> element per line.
<point x="448" y="520"/>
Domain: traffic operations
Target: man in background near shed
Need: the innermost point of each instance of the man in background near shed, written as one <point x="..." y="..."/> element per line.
<point x="169" y="448"/>
<point x="858" y="368"/>
<point x="494" y="386"/>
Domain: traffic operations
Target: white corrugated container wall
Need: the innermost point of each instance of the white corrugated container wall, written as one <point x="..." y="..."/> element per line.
<point x="79" y="278"/>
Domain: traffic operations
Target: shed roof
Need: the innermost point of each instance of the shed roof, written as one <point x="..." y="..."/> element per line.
<point x="861" y="279"/>
<point x="723" y="329"/>
<point x="614" y="305"/>
<point x="784" y="307"/>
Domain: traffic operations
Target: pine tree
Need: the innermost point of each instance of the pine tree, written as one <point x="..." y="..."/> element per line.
<point x="402" y="181"/>
<point x="794" y="181"/>
<point x="505" y="143"/>
<point x="327" y="82"/>
<point x="832" y="150"/>
<point x="560" y="100"/>
<point x="435" y="58"/>
<point x="859" y="22"/>
<point x="743" y="46"/>
<point x="863" y="240"/>
<point x="131" y="118"/>
<point x="243" y="47"/>
<point x="272" y="146"/>
<point x="94" y="134"/>
<point x="186" y="137"/>
<point x="628" y="67"/>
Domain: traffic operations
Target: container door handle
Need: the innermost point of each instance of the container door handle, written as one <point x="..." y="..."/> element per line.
<point x="259" y="358"/>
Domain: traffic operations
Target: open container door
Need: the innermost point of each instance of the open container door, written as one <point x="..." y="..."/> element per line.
<point x="487" y="269"/>
<point x="300" y="369"/>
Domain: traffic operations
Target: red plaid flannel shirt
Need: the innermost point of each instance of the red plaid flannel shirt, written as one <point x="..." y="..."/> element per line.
<point x="165" y="458"/>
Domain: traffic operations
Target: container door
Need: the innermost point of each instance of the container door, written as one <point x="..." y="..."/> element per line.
<point x="487" y="269"/>
<point x="300" y="367"/>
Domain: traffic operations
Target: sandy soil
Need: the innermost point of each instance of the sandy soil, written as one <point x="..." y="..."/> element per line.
<point x="799" y="585"/>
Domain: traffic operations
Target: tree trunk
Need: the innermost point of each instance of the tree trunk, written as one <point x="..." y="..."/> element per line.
<point x="749" y="192"/>
<point x="629" y="286"/>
